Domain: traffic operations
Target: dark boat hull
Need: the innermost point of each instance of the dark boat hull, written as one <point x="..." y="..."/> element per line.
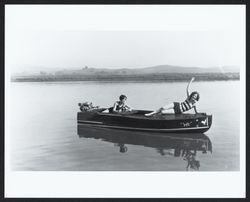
<point x="137" y="121"/>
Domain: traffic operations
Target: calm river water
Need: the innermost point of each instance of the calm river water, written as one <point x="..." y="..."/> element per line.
<point x="44" y="134"/>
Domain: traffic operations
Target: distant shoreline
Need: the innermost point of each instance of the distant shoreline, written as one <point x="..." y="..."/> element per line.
<point x="172" y="77"/>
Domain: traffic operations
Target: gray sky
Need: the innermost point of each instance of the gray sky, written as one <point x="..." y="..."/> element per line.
<point x="34" y="41"/>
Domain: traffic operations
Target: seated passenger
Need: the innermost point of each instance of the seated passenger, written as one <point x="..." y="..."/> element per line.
<point x="120" y="106"/>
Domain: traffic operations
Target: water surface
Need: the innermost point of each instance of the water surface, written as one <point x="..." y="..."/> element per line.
<point x="44" y="134"/>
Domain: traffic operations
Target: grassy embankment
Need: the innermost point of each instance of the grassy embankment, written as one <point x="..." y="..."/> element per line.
<point x="154" y="77"/>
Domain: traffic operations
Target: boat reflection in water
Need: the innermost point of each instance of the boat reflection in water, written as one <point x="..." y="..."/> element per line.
<point x="185" y="146"/>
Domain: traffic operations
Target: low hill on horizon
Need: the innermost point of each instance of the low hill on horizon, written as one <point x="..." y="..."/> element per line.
<point x="159" y="69"/>
<point x="160" y="73"/>
<point x="180" y="69"/>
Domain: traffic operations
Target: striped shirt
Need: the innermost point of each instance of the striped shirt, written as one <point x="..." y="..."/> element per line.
<point x="186" y="105"/>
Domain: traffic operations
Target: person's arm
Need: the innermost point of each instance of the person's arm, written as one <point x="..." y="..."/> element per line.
<point x="195" y="110"/>
<point x="114" y="107"/>
<point x="128" y="108"/>
<point x="189" y="85"/>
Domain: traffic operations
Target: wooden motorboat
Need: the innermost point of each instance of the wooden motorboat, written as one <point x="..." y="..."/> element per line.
<point x="136" y="120"/>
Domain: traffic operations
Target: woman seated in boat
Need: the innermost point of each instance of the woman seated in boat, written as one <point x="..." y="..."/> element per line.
<point x="178" y="107"/>
<point x="120" y="106"/>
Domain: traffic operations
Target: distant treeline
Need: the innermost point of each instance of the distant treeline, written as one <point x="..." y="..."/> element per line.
<point x="168" y="77"/>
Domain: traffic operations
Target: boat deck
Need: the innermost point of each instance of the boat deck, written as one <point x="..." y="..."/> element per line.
<point x="140" y="114"/>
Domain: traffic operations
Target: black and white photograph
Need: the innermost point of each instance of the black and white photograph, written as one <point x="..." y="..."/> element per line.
<point x="125" y="100"/>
